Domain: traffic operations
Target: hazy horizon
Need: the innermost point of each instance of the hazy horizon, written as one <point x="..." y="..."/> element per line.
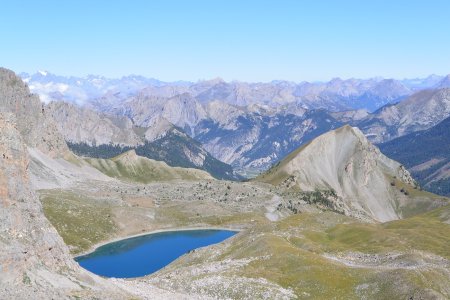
<point x="253" y="41"/>
<point x="221" y="78"/>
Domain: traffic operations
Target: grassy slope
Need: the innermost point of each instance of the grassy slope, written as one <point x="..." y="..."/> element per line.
<point x="80" y="221"/>
<point x="291" y="253"/>
<point x="143" y="170"/>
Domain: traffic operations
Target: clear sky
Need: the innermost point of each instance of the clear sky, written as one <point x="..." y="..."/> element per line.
<point x="233" y="39"/>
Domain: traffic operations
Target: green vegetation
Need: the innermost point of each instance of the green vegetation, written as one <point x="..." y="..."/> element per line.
<point x="130" y="167"/>
<point x="80" y="221"/>
<point x="295" y="247"/>
<point x="100" y="151"/>
<point x="26" y="279"/>
<point x="323" y="198"/>
<point x="173" y="149"/>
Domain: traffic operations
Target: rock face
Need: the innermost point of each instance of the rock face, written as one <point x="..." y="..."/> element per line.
<point x="79" y="124"/>
<point x="33" y="123"/>
<point x="176" y="148"/>
<point x="181" y="110"/>
<point x="34" y="261"/>
<point x="343" y="160"/>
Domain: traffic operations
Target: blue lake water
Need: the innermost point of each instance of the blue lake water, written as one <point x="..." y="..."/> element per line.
<point x="143" y="255"/>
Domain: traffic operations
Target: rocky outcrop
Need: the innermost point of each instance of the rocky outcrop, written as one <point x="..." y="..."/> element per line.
<point x="37" y="128"/>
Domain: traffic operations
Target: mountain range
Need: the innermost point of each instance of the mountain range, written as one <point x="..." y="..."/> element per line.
<point x="337" y="94"/>
<point x="334" y="208"/>
<point x="246" y="132"/>
<point x="256" y="136"/>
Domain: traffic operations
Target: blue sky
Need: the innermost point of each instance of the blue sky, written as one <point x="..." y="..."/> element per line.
<point x="242" y="40"/>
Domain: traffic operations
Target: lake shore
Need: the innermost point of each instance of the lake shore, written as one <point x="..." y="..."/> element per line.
<point x="117" y="239"/>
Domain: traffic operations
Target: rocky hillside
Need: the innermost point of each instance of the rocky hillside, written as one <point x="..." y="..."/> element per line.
<point x="420" y="111"/>
<point x="426" y="154"/>
<point x="252" y="137"/>
<point x="359" y="180"/>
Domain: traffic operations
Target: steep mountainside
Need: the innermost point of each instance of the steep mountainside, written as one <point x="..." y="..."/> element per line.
<point x="35" y="262"/>
<point x="26" y="242"/>
<point x="181" y="110"/>
<point x="79" y="124"/>
<point x="34" y="124"/>
<point x="256" y="136"/>
<point x="420" y="111"/>
<point x="426" y="154"/>
<point x="361" y="181"/>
